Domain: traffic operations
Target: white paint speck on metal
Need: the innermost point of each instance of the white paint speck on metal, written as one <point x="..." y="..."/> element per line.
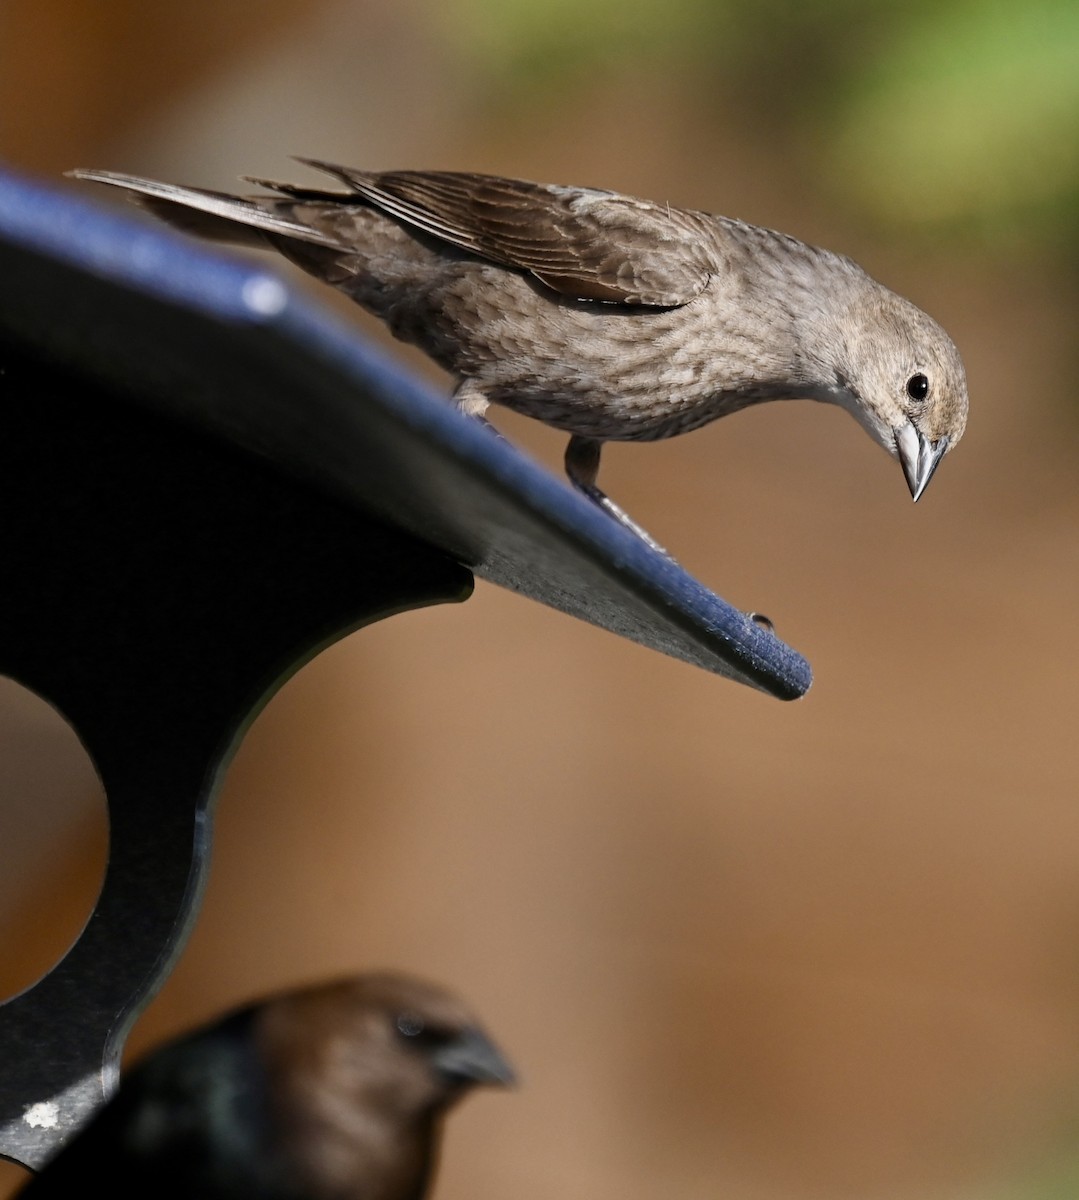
<point x="43" y="1115"/>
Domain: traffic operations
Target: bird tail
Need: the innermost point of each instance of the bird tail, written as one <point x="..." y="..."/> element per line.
<point x="241" y="220"/>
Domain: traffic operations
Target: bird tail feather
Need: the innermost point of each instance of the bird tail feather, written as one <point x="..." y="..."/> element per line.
<point x="241" y="220"/>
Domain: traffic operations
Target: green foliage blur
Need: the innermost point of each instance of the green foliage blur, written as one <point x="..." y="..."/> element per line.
<point x="944" y="115"/>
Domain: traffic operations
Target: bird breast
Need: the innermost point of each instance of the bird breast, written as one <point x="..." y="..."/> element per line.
<point x="608" y="371"/>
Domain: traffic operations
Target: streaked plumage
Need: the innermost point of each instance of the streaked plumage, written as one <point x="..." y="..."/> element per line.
<point x="609" y="317"/>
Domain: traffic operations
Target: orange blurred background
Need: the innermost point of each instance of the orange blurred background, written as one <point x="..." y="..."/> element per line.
<point x="735" y="947"/>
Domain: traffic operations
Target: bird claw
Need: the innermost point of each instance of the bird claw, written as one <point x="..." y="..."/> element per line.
<point x="620" y="515"/>
<point x="582" y="467"/>
<point x="490" y="427"/>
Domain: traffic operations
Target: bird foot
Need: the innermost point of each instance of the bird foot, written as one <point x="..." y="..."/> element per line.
<point x="487" y="424"/>
<point x="620" y="515"/>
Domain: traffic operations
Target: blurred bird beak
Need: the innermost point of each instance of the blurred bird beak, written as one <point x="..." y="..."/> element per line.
<point x="473" y="1058"/>
<point x="919" y="457"/>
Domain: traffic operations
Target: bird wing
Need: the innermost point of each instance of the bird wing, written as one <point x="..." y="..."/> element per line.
<point x="582" y="243"/>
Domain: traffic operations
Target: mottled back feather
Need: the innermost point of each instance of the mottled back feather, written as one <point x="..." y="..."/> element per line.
<point x="583" y="243"/>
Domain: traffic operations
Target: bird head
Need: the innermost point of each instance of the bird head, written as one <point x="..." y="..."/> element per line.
<point x="393" y="1042"/>
<point x="360" y="1073"/>
<point x="903" y="379"/>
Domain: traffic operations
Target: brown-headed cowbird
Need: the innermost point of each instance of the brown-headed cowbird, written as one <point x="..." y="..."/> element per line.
<point x="333" y="1092"/>
<point x="609" y="317"/>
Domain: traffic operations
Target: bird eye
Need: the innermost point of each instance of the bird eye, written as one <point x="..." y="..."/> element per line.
<point x="420" y="1031"/>
<point x="918" y="387"/>
<point x="410" y="1024"/>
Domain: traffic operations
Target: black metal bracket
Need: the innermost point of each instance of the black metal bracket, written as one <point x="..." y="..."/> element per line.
<point x="204" y="481"/>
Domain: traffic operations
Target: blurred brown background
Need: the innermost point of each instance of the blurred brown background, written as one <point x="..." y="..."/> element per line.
<point x="735" y="947"/>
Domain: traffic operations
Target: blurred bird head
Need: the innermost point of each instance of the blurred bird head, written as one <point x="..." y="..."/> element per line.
<point x="331" y="1092"/>
<point x="409" y="1046"/>
<point x="901" y="376"/>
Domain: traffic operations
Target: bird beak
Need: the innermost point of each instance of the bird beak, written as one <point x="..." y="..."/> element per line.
<point x="472" y="1058"/>
<point x="919" y="457"/>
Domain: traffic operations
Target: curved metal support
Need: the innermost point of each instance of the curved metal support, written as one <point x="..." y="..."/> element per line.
<point x="203" y="479"/>
<point x="167" y="586"/>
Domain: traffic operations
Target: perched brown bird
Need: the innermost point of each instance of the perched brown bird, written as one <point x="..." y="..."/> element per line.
<point x="609" y="317"/>
<point x="328" y="1093"/>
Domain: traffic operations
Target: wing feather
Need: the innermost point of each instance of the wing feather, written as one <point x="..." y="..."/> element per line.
<point x="583" y="243"/>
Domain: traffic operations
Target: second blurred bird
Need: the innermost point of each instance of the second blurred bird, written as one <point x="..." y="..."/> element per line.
<point x="333" y="1092"/>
